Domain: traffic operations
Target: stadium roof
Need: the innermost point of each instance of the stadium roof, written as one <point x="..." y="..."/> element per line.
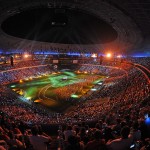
<point x="126" y="21"/>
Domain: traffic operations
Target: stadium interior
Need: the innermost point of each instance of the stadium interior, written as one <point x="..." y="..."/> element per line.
<point x="75" y="75"/>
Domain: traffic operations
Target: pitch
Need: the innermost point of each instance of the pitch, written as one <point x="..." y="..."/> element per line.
<point x="57" y="91"/>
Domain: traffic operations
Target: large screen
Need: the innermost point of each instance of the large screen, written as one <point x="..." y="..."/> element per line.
<point x="75" y="61"/>
<point x="55" y="61"/>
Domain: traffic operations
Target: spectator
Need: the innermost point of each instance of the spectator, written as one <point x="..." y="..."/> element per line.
<point x="14" y="142"/>
<point x="39" y="142"/>
<point x="122" y="143"/>
<point x="74" y="144"/>
<point x="68" y="132"/>
<point x="98" y="143"/>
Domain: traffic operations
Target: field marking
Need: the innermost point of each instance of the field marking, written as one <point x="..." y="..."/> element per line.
<point x="45" y="88"/>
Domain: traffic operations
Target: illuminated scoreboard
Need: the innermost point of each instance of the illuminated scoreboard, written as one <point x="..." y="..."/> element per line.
<point x="65" y="61"/>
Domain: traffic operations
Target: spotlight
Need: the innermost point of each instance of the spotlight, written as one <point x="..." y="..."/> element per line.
<point x="26" y="56"/>
<point x="28" y="98"/>
<point x="108" y="55"/>
<point x="94" y="55"/>
<point x="119" y="56"/>
<point x="20" y="81"/>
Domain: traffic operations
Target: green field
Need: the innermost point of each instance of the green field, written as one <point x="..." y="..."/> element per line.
<point x="57" y="90"/>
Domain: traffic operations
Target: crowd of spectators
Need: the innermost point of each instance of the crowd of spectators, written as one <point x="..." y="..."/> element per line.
<point x="145" y="61"/>
<point x="103" y="70"/>
<point x="120" y="123"/>
<point x="22" y="64"/>
<point x="22" y="73"/>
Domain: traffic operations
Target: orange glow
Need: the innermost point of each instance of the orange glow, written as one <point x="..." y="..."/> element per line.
<point x="37" y="101"/>
<point x="108" y="55"/>
<point x="30" y="78"/>
<point x="20" y="81"/>
<point x="26" y="56"/>
<point x="21" y="92"/>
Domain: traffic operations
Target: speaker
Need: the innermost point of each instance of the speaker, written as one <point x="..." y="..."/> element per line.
<point x="101" y="59"/>
<point x="12" y="61"/>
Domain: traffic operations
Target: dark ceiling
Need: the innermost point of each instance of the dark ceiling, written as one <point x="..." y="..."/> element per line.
<point x="59" y="25"/>
<point x="137" y="10"/>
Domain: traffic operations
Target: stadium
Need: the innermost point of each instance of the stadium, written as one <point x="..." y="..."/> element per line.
<point x="74" y="75"/>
